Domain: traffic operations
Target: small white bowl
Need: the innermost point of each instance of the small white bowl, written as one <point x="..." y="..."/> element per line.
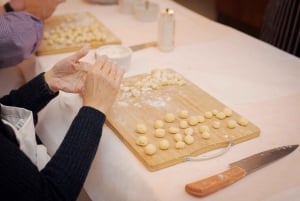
<point x="146" y="11"/>
<point x="116" y="53"/>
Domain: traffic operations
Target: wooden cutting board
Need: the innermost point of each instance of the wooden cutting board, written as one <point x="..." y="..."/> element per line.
<point x="68" y="33"/>
<point x="139" y="103"/>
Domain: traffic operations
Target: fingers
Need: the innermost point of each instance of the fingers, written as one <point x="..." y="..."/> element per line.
<point x="80" y="53"/>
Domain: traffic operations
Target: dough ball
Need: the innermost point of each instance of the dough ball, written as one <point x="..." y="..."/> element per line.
<point x="141" y="128"/>
<point x="189" y="131"/>
<point x="227" y="112"/>
<point x="242" y="121"/>
<point x="142" y="141"/>
<point x="215" y="112"/>
<point x="170" y="117"/>
<point x="216" y="124"/>
<point x="173" y="130"/>
<point x="160" y="132"/>
<point x="231" y="124"/>
<point x="178" y="137"/>
<point x="203" y="128"/>
<point x="183" y="124"/>
<point x="164" y="144"/>
<point x="221" y="115"/>
<point x="188" y="139"/>
<point x="150" y="149"/>
<point x="158" y="124"/>
<point x="193" y="120"/>
<point x="208" y="115"/>
<point x="179" y="145"/>
<point x="183" y="114"/>
<point x="201" y="119"/>
<point x="205" y="135"/>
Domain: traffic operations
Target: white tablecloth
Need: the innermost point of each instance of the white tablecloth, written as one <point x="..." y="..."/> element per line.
<point x="255" y="79"/>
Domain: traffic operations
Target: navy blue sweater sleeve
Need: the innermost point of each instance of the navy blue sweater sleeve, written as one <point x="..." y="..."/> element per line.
<point x="64" y="175"/>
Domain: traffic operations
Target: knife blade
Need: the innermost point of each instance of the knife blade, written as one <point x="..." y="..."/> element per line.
<point x="237" y="171"/>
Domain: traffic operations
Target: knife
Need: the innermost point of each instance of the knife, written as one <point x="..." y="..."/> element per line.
<point x="237" y="170"/>
<point x="143" y="46"/>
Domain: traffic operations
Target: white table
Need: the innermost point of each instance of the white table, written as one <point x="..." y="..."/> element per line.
<point x="250" y="76"/>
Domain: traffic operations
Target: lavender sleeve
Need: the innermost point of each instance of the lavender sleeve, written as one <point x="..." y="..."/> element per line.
<point x="20" y="36"/>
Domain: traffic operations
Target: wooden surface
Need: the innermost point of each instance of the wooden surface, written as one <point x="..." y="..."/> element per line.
<point x="152" y="105"/>
<point x="68" y="33"/>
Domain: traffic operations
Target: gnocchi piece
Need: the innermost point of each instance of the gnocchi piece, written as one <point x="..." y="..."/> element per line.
<point x="216" y="124"/>
<point x="183" y="114"/>
<point x="221" y="115"/>
<point x="242" y="121"/>
<point x="160" y="132"/>
<point x="201" y="119"/>
<point x="183" y="124"/>
<point x="205" y="135"/>
<point x="203" y="128"/>
<point x="208" y="115"/>
<point x="141" y="128"/>
<point x="189" y="131"/>
<point x="228" y="112"/>
<point x="142" y="141"/>
<point x="170" y="117"/>
<point x="193" y="120"/>
<point x="178" y="137"/>
<point x="164" y="144"/>
<point x="188" y="139"/>
<point x="150" y="149"/>
<point x="215" y="112"/>
<point x="173" y="130"/>
<point x="179" y="145"/>
<point x="158" y="124"/>
<point x="231" y="124"/>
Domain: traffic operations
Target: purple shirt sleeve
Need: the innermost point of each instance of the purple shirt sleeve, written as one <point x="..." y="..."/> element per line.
<point x="20" y="36"/>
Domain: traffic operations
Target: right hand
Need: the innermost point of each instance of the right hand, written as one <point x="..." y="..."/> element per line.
<point x="102" y="84"/>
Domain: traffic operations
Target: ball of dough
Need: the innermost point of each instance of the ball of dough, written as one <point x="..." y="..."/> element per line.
<point x="150" y="149"/>
<point x="142" y="141"/>
<point x="183" y="114"/>
<point x="221" y="115"/>
<point x="215" y="112"/>
<point x="208" y="115"/>
<point x="205" y="135"/>
<point x="179" y="145"/>
<point x="201" y="119"/>
<point x="216" y="124"/>
<point x="203" y="128"/>
<point x="158" y="124"/>
<point x="242" y="121"/>
<point x="178" y="137"/>
<point x="170" y="117"/>
<point x="164" y="144"/>
<point x="141" y="128"/>
<point x="193" y="120"/>
<point x="188" y="139"/>
<point x="173" y="130"/>
<point x="231" y="124"/>
<point x="227" y="112"/>
<point x="160" y="132"/>
<point x="189" y="131"/>
<point x="183" y="124"/>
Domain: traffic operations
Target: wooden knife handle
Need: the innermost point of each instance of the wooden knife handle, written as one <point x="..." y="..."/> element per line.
<point x="214" y="183"/>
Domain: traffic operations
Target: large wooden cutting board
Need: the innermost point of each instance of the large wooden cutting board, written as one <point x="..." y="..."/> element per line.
<point x="69" y="32"/>
<point x="151" y="105"/>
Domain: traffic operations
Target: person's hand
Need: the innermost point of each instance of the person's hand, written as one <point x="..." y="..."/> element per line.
<point x="102" y="84"/>
<point x="40" y="8"/>
<point x="68" y="74"/>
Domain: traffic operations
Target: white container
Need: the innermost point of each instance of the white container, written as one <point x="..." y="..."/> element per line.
<point x="146" y="11"/>
<point x="116" y="53"/>
<point x="166" y="30"/>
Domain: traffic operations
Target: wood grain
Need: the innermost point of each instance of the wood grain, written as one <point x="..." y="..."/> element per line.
<point x="153" y="105"/>
<point x="67" y="23"/>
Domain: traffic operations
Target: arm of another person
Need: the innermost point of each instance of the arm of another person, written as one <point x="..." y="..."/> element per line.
<point x="20" y="36"/>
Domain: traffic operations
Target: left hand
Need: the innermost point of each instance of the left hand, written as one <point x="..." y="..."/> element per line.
<point x="68" y="74"/>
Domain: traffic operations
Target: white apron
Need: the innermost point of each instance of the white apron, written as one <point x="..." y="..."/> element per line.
<point x="21" y="121"/>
